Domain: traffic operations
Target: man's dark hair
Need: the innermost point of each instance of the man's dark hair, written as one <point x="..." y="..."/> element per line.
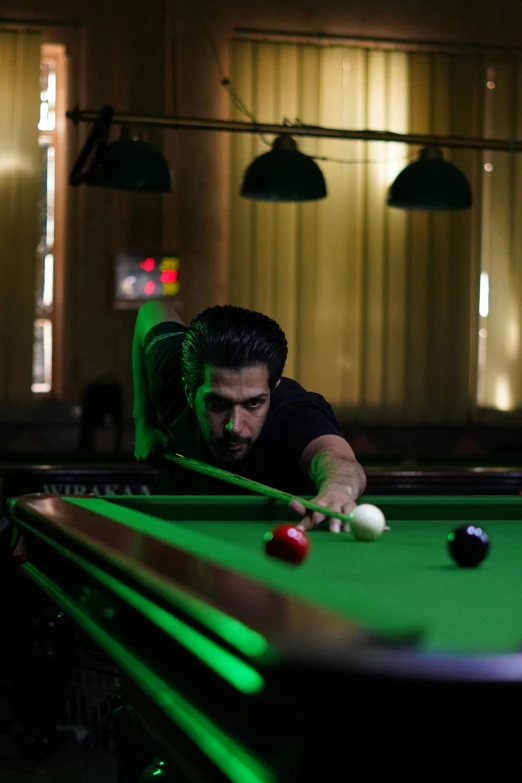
<point x="232" y="338"/>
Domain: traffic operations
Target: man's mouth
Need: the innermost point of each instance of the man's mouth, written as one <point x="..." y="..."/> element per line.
<point x="231" y="446"/>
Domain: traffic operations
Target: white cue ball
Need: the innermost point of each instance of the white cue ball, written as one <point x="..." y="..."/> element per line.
<point x="367" y="522"/>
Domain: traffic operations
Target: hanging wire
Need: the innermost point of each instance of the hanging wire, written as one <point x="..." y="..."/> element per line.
<point x="322" y="158"/>
<point x="240" y="104"/>
<point x="369" y="162"/>
<point x="223" y="78"/>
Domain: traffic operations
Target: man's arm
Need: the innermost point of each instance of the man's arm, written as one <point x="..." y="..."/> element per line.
<point x="148" y="428"/>
<point x="330" y="462"/>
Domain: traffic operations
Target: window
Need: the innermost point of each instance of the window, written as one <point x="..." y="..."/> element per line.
<point x="51" y="220"/>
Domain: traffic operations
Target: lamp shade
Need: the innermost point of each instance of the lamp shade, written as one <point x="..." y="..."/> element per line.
<point x="283" y="174"/>
<point x="129" y="164"/>
<point x="430" y="184"/>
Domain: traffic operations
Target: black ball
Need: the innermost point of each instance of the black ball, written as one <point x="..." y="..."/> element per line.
<point x="468" y="545"/>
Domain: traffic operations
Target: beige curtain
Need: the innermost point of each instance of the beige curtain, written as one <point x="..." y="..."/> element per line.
<point x="377" y="303"/>
<point x="19" y="189"/>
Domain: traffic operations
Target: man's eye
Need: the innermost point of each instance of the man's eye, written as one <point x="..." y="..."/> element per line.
<point x="254" y="404"/>
<point x="216" y="405"/>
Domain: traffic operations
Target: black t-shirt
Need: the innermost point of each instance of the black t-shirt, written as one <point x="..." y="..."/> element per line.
<point x="295" y="418"/>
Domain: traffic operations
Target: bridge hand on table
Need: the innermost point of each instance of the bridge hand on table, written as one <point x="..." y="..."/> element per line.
<point x="336" y="498"/>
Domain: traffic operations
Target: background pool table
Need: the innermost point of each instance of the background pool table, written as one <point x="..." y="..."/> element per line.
<point x="178" y="592"/>
<point x="120" y="474"/>
<point x="73" y="474"/>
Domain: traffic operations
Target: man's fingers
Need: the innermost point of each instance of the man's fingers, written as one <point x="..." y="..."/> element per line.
<point x="314" y="519"/>
<point x="347" y="510"/>
<point x="298" y="508"/>
<point x="334" y="523"/>
<point x="311" y="518"/>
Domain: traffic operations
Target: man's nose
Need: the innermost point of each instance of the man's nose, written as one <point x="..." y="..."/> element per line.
<point x="234" y="425"/>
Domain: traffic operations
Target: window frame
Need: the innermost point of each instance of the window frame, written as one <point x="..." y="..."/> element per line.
<point x="58" y="139"/>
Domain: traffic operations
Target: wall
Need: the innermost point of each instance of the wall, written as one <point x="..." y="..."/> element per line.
<point x="151" y="56"/>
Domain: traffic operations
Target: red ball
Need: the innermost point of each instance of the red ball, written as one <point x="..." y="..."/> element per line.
<point x="287" y="542"/>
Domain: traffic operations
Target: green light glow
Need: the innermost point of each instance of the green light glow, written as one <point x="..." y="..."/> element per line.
<point x="451" y="537"/>
<point x="268" y="536"/>
<point x="234" y="632"/>
<point x="235" y="671"/>
<point x="238" y="673"/>
<point x="231" y="757"/>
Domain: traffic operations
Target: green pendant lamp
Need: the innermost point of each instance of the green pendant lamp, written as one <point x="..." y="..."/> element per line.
<point x="430" y="184"/>
<point x="125" y="164"/>
<point x="283" y="174"/>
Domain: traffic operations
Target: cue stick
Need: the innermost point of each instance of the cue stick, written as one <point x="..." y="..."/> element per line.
<point x="254" y="486"/>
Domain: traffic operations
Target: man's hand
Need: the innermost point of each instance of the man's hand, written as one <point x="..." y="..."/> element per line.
<point x="147" y="439"/>
<point x="333" y="496"/>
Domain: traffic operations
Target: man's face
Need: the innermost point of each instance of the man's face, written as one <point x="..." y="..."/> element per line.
<point x="231" y="407"/>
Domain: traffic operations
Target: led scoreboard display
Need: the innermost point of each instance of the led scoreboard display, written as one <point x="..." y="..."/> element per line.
<point x="139" y="277"/>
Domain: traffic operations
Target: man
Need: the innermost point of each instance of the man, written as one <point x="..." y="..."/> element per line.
<point x="215" y="391"/>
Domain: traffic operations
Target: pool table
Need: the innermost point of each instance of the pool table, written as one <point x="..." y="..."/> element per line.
<point x="232" y="659"/>
<point x="120" y="474"/>
<point x="73" y="474"/>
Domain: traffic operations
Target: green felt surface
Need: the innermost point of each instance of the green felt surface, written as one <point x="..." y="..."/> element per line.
<point x="405" y="582"/>
<point x="409" y="577"/>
